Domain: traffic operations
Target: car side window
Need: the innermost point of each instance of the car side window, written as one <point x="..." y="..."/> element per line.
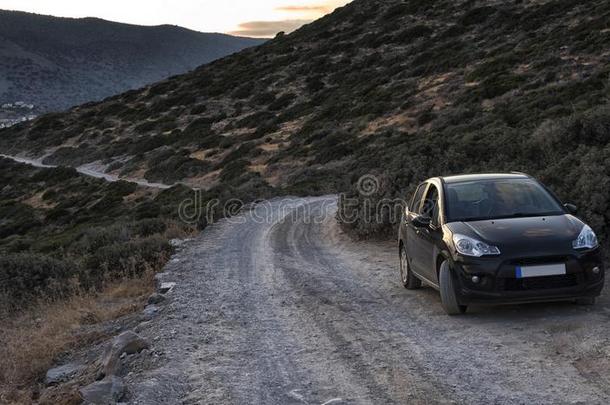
<point x="415" y="205"/>
<point x="431" y="207"/>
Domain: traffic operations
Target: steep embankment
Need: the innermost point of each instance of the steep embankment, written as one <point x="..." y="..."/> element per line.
<point x="412" y="89"/>
<point x="55" y="63"/>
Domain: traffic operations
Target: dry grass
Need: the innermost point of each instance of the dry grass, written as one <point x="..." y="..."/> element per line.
<point x="32" y="341"/>
<point x="36" y="201"/>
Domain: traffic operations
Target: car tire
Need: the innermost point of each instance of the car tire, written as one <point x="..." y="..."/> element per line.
<point x="586" y="301"/>
<point x="448" y="295"/>
<point x="408" y="279"/>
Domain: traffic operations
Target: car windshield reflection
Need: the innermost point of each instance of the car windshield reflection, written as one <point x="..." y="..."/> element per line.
<point x="499" y="199"/>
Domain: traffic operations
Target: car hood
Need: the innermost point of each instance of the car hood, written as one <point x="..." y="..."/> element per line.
<point x="544" y="235"/>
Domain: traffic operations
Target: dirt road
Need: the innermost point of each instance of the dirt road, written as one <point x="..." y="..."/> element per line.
<point x="91" y="170"/>
<point x="294" y="312"/>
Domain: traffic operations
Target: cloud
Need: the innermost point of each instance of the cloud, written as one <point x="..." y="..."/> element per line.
<point x="265" y="29"/>
<point x="306" y="9"/>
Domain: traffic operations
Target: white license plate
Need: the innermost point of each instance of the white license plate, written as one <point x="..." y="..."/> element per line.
<point x="541" y="271"/>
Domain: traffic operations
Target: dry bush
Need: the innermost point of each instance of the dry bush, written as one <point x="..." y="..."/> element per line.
<point x="33" y="340"/>
<point x="178" y="231"/>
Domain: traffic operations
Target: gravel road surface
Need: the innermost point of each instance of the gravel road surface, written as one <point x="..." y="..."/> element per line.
<point x="277" y="306"/>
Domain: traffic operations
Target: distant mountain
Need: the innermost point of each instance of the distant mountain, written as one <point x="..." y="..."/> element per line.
<point x="55" y="63"/>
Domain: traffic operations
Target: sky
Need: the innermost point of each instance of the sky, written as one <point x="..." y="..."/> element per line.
<point x="257" y="18"/>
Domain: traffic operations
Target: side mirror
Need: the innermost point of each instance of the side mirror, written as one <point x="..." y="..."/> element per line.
<point x="422" y="221"/>
<point x="572" y="209"/>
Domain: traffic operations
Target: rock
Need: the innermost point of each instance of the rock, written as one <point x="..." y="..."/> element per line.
<point x="108" y="391"/>
<point x="156" y="298"/>
<point x="130" y="342"/>
<point x="89" y="318"/>
<point x="62" y="373"/>
<point x="127" y="342"/>
<point x="150" y="311"/>
<point x="164" y="288"/>
<point x="176" y="242"/>
<point x="142" y="326"/>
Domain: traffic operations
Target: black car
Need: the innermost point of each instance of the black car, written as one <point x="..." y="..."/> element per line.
<point x="497" y="239"/>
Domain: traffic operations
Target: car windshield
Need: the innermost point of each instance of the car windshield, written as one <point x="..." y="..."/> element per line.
<point x="500" y="198"/>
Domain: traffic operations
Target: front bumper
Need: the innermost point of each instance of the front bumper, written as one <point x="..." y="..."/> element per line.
<point x="500" y="285"/>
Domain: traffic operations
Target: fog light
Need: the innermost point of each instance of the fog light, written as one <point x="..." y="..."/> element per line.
<point x="596" y="270"/>
<point x="476" y="279"/>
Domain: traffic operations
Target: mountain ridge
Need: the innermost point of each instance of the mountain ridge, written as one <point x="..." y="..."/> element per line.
<point x="58" y="62"/>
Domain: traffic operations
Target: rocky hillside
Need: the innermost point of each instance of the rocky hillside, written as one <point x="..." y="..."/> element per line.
<point x="55" y="63"/>
<point x="406" y="89"/>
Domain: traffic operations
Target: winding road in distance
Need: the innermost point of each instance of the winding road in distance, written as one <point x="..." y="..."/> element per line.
<point x="88" y="170"/>
<point x="278" y="306"/>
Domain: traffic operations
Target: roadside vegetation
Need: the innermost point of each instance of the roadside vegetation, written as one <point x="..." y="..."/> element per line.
<point x="33" y="340"/>
<point x="75" y="253"/>
<point x="571" y="155"/>
<point x="64" y="233"/>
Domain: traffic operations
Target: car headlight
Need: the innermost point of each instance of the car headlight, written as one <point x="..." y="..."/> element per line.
<point x="468" y="246"/>
<point x="586" y="240"/>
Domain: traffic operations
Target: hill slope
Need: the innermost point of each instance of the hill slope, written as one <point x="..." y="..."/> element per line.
<point x="55" y="63"/>
<point x="406" y="89"/>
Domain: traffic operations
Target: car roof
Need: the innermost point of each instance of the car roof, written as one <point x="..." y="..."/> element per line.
<point x="483" y="176"/>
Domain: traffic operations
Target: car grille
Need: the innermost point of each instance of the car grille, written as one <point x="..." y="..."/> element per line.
<point x="540" y="283"/>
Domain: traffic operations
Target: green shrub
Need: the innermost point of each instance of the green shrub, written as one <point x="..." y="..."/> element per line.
<point x="26" y="277"/>
<point x="234" y="170"/>
<point x="240" y="152"/>
<point x="147" y="209"/>
<point x="128" y="259"/>
<point x="497" y="85"/>
<point x="122" y="188"/>
<point x="499" y="65"/>
<point x="282" y="102"/>
<point x="426" y="117"/>
<point x="55" y="175"/>
<point x="149" y="227"/>
<point x="45" y="124"/>
<point x="411" y="34"/>
<point x="263" y="98"/>
<point x="199" y="109"/>
<point x="477" y="15"/>
<point x="94" y="239"/>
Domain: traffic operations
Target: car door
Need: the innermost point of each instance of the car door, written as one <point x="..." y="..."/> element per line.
<point x="413" y="240"/>
<point x="430" y="237"/>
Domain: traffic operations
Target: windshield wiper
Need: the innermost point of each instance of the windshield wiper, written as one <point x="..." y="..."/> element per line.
<point x="519" y="215"/>
<point x="514" y="215"/>
<point x="532" y="214"/>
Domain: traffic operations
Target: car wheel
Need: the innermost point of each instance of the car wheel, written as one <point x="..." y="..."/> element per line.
<point x="586" y="301"/>
<point x="409" y="280"/>
<point x="448" y="295"/>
